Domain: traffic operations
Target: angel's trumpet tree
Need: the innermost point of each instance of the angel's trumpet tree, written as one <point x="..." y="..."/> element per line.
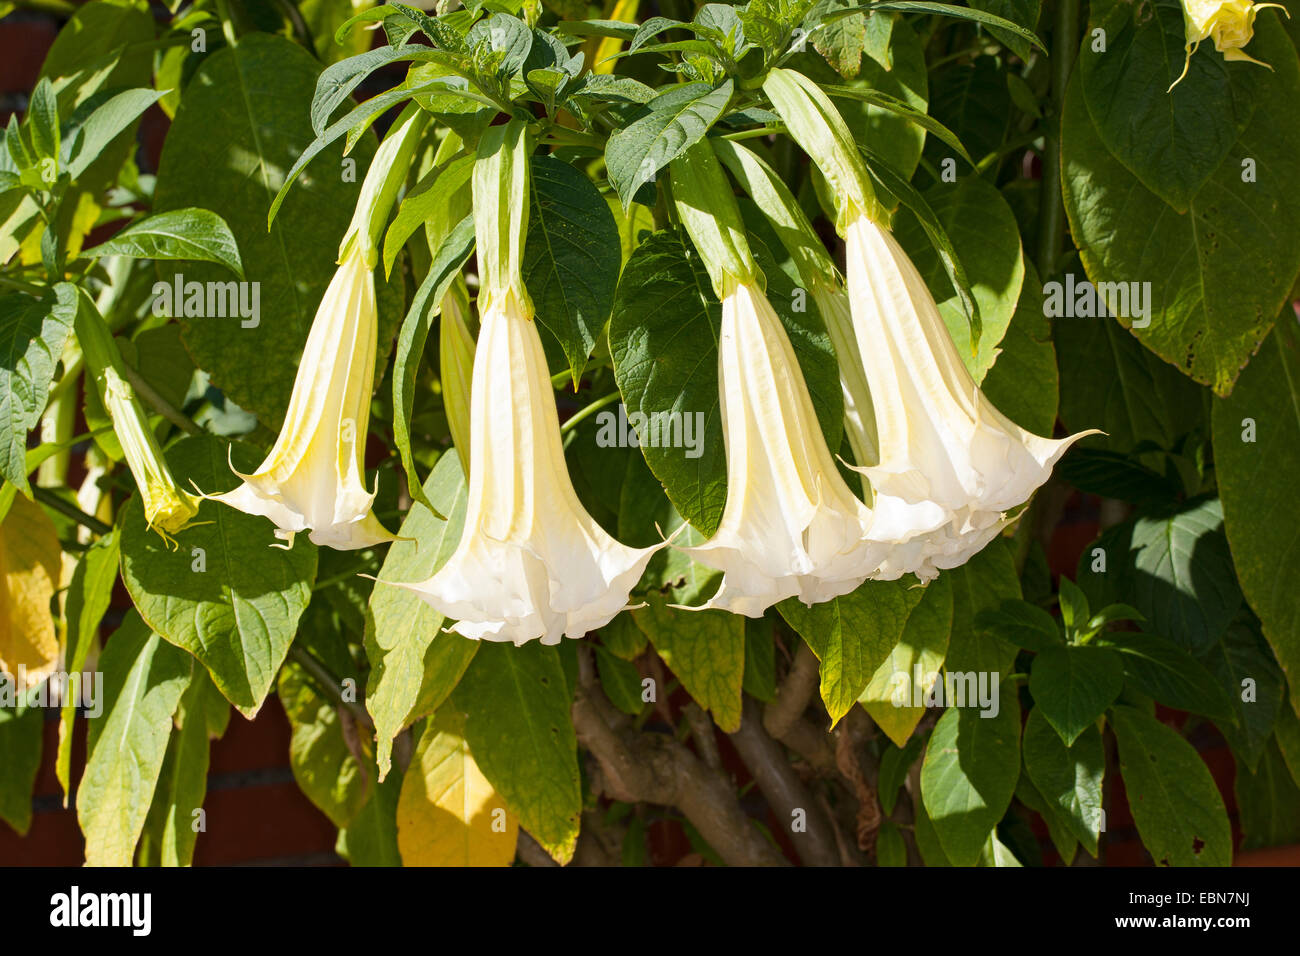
<point x="313" y="479"/>
<point x="531" y="563"/>
<point x="1229" y="23"/>
<point x="168" y="508"/>
<point x="791" y="526"/>
<point x="947" y="465"/>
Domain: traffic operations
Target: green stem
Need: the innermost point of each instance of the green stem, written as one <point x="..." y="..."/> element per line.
<point x="587" y="412"/>
<point x="163" y="407"/>
<point x="329" y="683"/>
<point x="22" y="286"/>
<point x="1051" y="211"/>
<point x="48" y="498"/>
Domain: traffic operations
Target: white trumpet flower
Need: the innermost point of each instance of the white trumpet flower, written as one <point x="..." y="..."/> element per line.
<point x="791" y="526"/>
<point x="949" y="464"/>
<point x="313" y="478"/>
<point x="531" y="562"/>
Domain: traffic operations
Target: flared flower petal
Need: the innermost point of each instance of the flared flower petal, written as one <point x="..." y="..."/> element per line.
<point x="791" y="526"/>
<point x="949" y="464"/>
<point x="313" y="478"/>
<point x="1230" y="23"/>
<point x="531" y="562"/>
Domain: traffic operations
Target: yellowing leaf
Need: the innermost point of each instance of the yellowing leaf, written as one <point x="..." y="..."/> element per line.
<point x="29" y="566"/>
<point x="448" y="814"/>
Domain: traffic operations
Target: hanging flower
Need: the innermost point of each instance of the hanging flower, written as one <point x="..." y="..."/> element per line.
<point x="943" y="465"/>
<point x="949" y="464"/>
<point x="1230" y="23"/>
<point x="531" y="562"/>
<point x="791" y="526"/>
<point x="313" y="479"/>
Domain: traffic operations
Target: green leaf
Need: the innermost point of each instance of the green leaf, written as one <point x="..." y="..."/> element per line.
<point x="704" y="649"/>
<point x="1221" y="269"/>
<point x="1253" y="480"/>
<point x="669" y="124"/>
<point x="1023" y="382"/>
<point x="960" y="13"/>
<point x="853" y="636"/>
<point x="663" y="339"/>
<point x="256" y="96"/>
<point x="620" y="680"/>
<point x="984" y="234"/>
<point x="895" y="764"/>
<point x="983" y="582"/>
<point x="1023" y="13"/>
<point x="571" y="258"/>
<point x="1069" y="778"/>
<point x="326" y="769"/>
<point x="21" y="735"/>
<point x="447" y="263"/>
<point x="169" y="833"/>
<point x="88" y="597"/>
<point x="1058" y="829"/>
<point x="1254" y="685"/>
<point x="437" y="200"/>
<point x="143" y="679"/>
<point x="414" y="664"/>
<point x="1172" y="140"/>
<point x="909" y="671"/>
<point x="1115" y="384"/>
<point x="1176" y="805"/>
<point x="371" y="838"/>
<point x="338" y="80"/>
<point x="1023" y="624"/>
<point x="760" y="659"/>
<point x="1169" y="673"/>
<point x="197" y="235"/>
<point x="43" y="120"/>
<point x="890" y="848"/>
<point x="98" y="122"/>
<point x="969" y="775"/>
<point x="32" y="335"/>
<point x="238" y="615"/>
<point x="1073" y="685"/>
<point x="1184" y="578"/>
<point x="518" y="727"/>
<point x="1268" y="801"/>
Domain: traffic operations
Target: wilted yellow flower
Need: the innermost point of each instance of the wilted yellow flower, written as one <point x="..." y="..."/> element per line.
<point x="167" y="507"/>
<point x="1230" y="23"/>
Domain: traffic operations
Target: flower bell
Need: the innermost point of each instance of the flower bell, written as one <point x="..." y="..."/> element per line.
<point x="791" y="526"/>
<point x="313" y="479"/>
<point x="168" y="508"/>
<point x="943" y="464"/>
<point x="1230" y="23"/>
<point x="531" y="562"/>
